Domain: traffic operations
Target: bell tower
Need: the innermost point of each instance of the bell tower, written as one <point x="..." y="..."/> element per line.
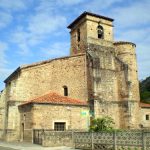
<point x="90" y="28"/>
<point x="111" y="67"/>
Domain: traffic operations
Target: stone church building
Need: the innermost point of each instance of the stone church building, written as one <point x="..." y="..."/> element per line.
<point x="98" y="79"/>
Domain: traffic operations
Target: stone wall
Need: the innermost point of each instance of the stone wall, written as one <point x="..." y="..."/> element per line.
<point x="43" y="116"/>
<point x="78" y="46"/>
<point x="128" y="83"/>
<point x="2" y="112"/>
<point x="104" y="73"/>
<point x="37" y="79"/>
<point x="125" y="52"/>
<point x="88" y="29"/>
<point x="143" y="112"/>
<point x="105" y="89"/>
<point x="72" y="115"/>
<point x="2" y="105"/>
<point x="111" y="76"/>
<point x="54" y="139"/>
<point x="26" y="123"/>
<point x="51" y="76"/>
<point x="92" y="23"/>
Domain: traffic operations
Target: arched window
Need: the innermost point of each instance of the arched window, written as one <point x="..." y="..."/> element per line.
<point x="78" y="35"/>
<point x="100" y="32"/>
<point x="65" y="90"/>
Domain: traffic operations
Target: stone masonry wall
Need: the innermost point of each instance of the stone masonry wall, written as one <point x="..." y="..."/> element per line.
<point x="106" y="102"/>
<point x="51" y="76"/>
<point x="128" y="83"/>
<point x="88" y="29"/>
<point x="26" y="123"/>
<point x="92" y="23"/>
<point x="36" y="80"/>
<point x="2" y="113"/>
<point x="78" y="46"/>
<point x="143" y="112"/>
<point x="2" y="109"/>
<point x="126" y="53"/>
<point x="72" y="115"/>
<point x="43" y="116"/>
<point x="104" y="73"/>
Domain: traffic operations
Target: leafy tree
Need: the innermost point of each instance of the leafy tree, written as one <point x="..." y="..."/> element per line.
<point x="102" y="124"/>
<point x="145" y="95"/>
<point x="145" y="90"/>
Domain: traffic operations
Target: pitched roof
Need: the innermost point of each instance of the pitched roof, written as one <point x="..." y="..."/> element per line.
<point x="54" y="98"/>
<point x="145" y="105"/>
<point x="88" y="13"/>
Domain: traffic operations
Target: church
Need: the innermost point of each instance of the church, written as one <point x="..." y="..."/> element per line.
<point x="98" y="79"/>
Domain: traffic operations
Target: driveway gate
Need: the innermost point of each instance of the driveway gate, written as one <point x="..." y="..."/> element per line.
<point x="37" y="136"/>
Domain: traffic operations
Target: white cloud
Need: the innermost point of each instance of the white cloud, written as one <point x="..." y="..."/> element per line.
<point x="135" y="14"/>
<point x="143" y="52"/>
<point x="40" y="24"/>
<point x="39" y="27"/>
<point x="134" y="35"/>
<point x="20" y="38"/>
<point x="12" y="4"/>
<point x="44" y="23"/>
<point x="4" y="72"/>
<point x="56" y="50"/>
<point x="51" y="5"/>
<point x="6" y="19"/>
<point x="3" y="48"/>
<point x="70" y="2"/>
<point x="97" y="5"/>
<point x="46" y="6"/>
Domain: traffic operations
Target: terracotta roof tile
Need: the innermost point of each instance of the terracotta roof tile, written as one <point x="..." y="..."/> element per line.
<point x="54" y="98"/>
<point x="146" y="105"/>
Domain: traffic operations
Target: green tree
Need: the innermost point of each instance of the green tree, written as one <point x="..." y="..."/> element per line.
<point x="102" y="124"/>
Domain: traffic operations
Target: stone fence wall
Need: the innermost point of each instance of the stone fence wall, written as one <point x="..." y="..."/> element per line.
<point x="114" y="140"/>
<point x="1" y="134"/>
<point x="53" y="138"/>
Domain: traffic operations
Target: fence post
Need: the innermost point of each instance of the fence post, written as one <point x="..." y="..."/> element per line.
<point x="43" y="136"/>
<point x="143" y="141"/>
<point x="32" y="136"/>
<point x="92" y="143"/>
<point x="73" y="141"/>
<point x="114" y="139"/>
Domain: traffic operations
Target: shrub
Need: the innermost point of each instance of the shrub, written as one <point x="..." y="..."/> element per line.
<point x="102" y="124"/>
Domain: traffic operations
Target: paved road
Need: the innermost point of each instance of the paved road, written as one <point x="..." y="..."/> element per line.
<point x="28" y="146"/>
<point x="5" y="148"/>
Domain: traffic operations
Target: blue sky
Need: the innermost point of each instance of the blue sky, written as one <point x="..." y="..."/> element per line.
<point x="35" y="30"/>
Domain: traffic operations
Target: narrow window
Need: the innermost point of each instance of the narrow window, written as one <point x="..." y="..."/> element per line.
<point x="59" y="126"/>
<point x="65" y="90"/>
<point x="78" y="35"/>
<point x="100" y="32"/>
<point x="147" y="117"/>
